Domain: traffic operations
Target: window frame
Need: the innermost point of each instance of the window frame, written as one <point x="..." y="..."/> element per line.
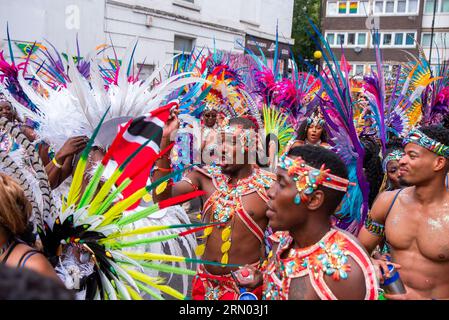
<point x="395" y="8"/>
<point x="347" y="11"/>
<point x="345" y="43"/>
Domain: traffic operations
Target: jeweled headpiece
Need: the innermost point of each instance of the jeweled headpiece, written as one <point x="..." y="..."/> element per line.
<point x="315" y="119"/>
<point x="419" y="138"/>
<point x="308" y="178"/>
<point x="395" y="155"/>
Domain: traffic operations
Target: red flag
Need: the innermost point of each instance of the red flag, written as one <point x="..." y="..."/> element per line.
<point x="138" y="133"/>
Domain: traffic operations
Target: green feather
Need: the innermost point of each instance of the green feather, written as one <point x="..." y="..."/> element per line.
<point x="110" y="199"/>
<point x="149" y="291"/>
<point x="168" y="269"/>
<point x="138" y="215"/>
<point x="75" y="187"/>
<point x="91" y="187"/>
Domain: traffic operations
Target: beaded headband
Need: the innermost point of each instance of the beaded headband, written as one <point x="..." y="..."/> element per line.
<point x="308" y="178"/>
<point x="395" y="155"/>
<point x="419" y="138"/>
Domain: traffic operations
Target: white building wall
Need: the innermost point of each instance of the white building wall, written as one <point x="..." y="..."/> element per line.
<point x="58" y="21"/>
<point x="440" y="48"/>
<point x="224" y="23"/>
<point x="156" y="22"/>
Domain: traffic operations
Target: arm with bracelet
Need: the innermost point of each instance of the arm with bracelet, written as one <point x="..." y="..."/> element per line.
<point x="60" y="167"/>
<point x="373" y="232"/>
<point x="162" y="167"/>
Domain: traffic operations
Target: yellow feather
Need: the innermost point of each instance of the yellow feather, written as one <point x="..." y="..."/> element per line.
<point x="105" y="189"/>
<point x="121" y="206"/>
<point x="151" y="282"/>
<point x="143" y="230"/>
<point x="133" y="293"/>
<point x="153" y="256"/>
<point x="75" y="187"/>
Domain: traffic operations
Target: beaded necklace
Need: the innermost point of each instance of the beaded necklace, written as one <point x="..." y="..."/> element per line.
<point x="226" y="201"/>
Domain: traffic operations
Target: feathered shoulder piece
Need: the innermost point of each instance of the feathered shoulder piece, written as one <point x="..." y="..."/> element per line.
<point x="92" y="237"/>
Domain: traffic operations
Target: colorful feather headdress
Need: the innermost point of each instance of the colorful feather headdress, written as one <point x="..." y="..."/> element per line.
<point x="74" y="107"/>
<point x="338" y="113"/>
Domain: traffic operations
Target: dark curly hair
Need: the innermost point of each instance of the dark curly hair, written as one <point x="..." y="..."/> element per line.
<point x="372" y="165"/>
<point x="315" y="156"/>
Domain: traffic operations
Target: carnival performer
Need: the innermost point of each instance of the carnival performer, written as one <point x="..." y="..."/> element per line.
<point x="311" y="131"/>
<point x="15" y="211"/>
<point x="413" y="219"/>
<point x="311" y="259"/>
<point x="390" y="166"/>
<point x="236" y="195"/>
<point x="209" y="136"/>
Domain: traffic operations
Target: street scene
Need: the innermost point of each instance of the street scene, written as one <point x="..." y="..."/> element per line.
<point x="224" y="150"/>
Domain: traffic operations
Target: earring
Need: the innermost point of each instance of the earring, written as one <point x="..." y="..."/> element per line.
<point x="297" y="199"/>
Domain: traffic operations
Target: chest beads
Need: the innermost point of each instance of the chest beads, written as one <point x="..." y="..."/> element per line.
<point x="226" y="201"/>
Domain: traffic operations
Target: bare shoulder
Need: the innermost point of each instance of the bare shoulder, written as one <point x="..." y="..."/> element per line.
<point x="297" y="143"/>
<point x="39" y="263"/>
<point x="32" y="259"/>
<point x="353" y="287"/>
<point x="382" y="204"/>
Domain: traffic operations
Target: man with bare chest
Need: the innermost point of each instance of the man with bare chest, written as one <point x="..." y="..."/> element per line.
<point x="236" y="196"/>
<point x="415" y="221"/>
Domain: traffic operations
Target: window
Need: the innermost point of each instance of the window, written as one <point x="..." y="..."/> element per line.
<point x="340" y="38"/>
<point x="351" y="39"/>
<point x="410" y="39"/>
<point x="428" y="6"/>
<point x="145" y="70"/>
<point x="386" y="39"/>
<point x="330" y="38"/>
<point x="342" y="7"/>
<point x="359" y="69"/>
<point x="444" y="6"/>
<point x="376" y="38"/>
<point x="364" y="8"/>
<point x="412" y="6"/>
<point x="402" y="6"/>
<point x="183" y="44"/>
<point x="426" y="38"/>
<point x="361" y="39"/>
<point x="440" y="39"/>
<point x="389" y="7"/>
<point x="353" y="7"/>
<point x="332" y="8"/>
<point x="398" y="39"/>
<point x="379" y="7"/>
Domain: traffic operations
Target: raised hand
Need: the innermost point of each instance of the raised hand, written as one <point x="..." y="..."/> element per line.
<point x="72" y="147"/>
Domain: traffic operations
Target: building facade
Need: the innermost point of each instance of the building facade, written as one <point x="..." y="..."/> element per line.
<point x="164" y="27"/>
<point x="436" y="45"/>
<point x="348" y="25"/>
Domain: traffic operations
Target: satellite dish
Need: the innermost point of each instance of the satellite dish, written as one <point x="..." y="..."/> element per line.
<point x="357" y="49"/>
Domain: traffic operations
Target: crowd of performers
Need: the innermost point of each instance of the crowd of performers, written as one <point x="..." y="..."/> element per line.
<point x="313" y="185"/>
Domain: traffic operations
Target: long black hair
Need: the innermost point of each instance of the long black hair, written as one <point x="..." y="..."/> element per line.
<point x="372" y="165"/>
